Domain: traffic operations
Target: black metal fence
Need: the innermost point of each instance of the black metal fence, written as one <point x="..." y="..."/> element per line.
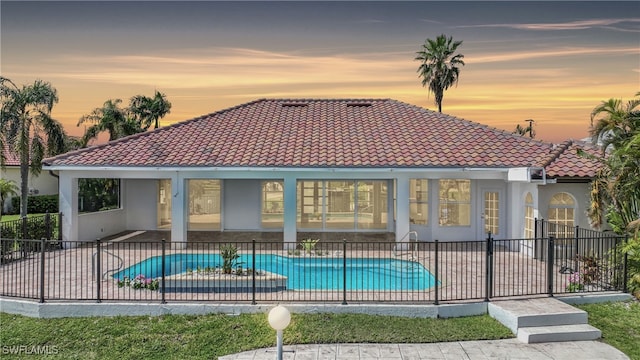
<point x="329" y="272"/>
<point x="46" y="227"/>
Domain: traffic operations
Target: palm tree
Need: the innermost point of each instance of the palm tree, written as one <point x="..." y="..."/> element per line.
<point x="110" y="118"/>
<point x="615" y="122"/>
<point x="26" y="123"/>
<point x="7" y="188"/>
<point x="439" y="68"/>
<point x="616" y="189"/>
<point x="150" y="110"/>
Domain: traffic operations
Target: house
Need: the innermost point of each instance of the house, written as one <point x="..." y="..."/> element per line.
<point x="43" y="184"/>
<point x="329" y="168"/>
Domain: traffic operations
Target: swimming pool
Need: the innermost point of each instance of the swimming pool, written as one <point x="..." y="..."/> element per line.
<point x="303" y="273"/>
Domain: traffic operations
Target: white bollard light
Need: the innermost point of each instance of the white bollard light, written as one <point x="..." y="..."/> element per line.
<point x="279" y="318"/>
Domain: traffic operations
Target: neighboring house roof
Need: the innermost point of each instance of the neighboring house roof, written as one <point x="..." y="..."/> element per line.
<point x="10" y="157"/>
<point x="566" y="162"/>
<point x="332" y="133"/>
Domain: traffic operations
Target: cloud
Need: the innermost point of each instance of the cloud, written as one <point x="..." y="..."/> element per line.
<point x="573" y="51"/>
<point x="235" y="67"/>
<point x="571" y="25"/>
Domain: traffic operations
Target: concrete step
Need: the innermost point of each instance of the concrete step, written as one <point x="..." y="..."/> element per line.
<point x="538" y="334"/>
<point x="516" y="314"/>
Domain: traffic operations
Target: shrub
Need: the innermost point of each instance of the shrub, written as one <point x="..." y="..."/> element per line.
<point x="37" y="204"/>
<point x="229" y="254"/>
<point x="632" y="249"/>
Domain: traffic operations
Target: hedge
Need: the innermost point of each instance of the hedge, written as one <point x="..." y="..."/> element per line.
<point x="36" y="204"/>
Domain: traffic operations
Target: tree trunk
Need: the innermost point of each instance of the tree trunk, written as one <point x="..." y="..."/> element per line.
<point x="24" y="184"/>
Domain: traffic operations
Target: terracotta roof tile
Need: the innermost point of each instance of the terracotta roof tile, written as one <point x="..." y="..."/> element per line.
<point x="10" y="157"/>
<point x="317" y="133"/>
<point x="565" y="162"/>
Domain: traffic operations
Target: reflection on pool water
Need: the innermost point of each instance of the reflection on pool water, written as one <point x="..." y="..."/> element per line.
<point x="303" y="273"/>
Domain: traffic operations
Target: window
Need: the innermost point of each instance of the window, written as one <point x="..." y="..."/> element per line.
<point x="419" y="201"/>
<point x="491" y="212"/>
<point x="98" y="195"/>
<point x="204" y="204"/>
<point x="272" y="204"/>
<point x="342" y="205"/>
<point x="529" y="220"/>
<point x="372" y="205"/>
<point x="455" y="202"/>
<point x="310" y="204"/>
<point x="164" y="203"/>
<point x="561" y="213"/>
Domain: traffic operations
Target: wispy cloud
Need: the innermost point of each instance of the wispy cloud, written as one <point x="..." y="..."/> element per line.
<point x="630" y="24"/>
<point x="224" y="67"/>
<point x="523" y="55"/>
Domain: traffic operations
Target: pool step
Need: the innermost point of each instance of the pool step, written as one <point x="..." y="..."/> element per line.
<point x="543" y="320"/>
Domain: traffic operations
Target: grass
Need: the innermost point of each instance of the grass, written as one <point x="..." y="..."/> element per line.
<point x="207" y="336"/>
<point x="210" y="336"/>
<point x="619" y="323"/>
<point x="6" y="217"/>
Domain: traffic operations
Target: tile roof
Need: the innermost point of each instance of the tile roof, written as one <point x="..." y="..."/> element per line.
<point x="336" y="133"/>
<point x="10" y="157"/>
<point x="565" y="162"/>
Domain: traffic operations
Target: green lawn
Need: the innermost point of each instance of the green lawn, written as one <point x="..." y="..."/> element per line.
<point x="620" y="325"/>
<point x="6" y="217"/>
<point x="210" y="336"/>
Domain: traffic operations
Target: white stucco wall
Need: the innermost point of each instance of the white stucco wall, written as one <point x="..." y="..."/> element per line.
<point x="241" y="204"/>
<point x="140" y="201"/>
<point x="44" y="183"/>
<point x="580" y="193"/>
<point x="101" y="224"/>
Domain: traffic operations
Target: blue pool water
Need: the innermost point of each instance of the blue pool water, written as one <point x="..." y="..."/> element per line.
<point x="303" y="273"/>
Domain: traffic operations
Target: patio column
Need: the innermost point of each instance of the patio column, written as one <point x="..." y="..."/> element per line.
<point x="290" y="211"/>
<point x="178" y="209"/>
<point x="402" y="208"/>
<point x="68" y="205"/>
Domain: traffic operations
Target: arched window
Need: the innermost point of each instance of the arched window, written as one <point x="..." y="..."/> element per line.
<point x="529" y="220"/>
<point x="561" y="212"/>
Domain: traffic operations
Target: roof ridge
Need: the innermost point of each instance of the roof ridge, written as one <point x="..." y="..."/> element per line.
<point x="557" y="152"/>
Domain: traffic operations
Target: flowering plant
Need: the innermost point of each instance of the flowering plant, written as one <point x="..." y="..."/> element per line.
<point x="139" y="282"/>
<point x="575" y="283"/>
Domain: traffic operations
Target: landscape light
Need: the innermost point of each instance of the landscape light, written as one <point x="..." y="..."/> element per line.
<point x="279" y="318"/>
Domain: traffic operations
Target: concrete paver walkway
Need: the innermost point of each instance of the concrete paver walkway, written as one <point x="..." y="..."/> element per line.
<point x="471" y="350"/>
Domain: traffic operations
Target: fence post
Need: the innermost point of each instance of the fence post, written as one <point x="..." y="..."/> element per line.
<point x="253" y="273"/>
<point x="24" y="227"/>
<point x="577" y="252"/>
<point x="42" y="258"/>
<point x="625" y="273"/>
<point x="436" y="274"/>
<point x="550" y="260"/>
<point x="47" y="225"/>
<point x="164" y="272"/>
<point x="98" y="271"/>
<point x="344" y="271"/>
<point x="489" y="268"/>
<point x="59" y="227"/>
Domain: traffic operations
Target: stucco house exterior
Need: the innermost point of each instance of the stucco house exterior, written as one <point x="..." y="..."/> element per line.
<point x="330" y="168"/>
<point x="43" y="184"/>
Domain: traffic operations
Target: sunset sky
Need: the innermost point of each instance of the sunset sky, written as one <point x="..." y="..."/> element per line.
<point x="548" y="61"/>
